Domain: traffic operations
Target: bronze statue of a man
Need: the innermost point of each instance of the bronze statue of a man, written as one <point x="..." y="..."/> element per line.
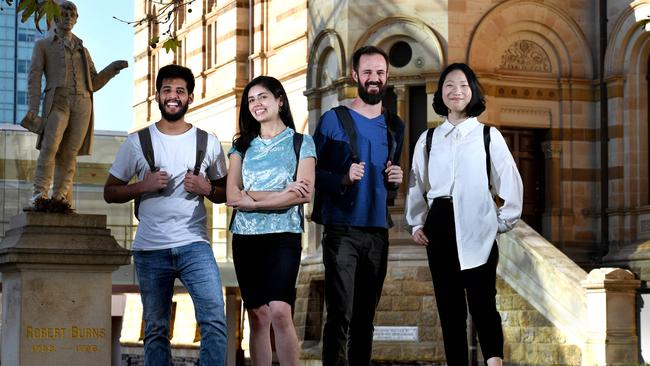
<point x="66" y="127"/>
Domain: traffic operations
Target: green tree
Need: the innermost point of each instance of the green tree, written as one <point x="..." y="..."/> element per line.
<point x="166" y="15"/>
<point x="36" y="9"/>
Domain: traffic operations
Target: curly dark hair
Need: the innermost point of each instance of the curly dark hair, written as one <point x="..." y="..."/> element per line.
<point x="476" y="105"/>
<point x="173" y="71"/>
<point x="249" y="127"/>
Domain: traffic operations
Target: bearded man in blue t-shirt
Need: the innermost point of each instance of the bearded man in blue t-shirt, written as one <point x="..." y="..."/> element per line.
<point x="357" y="173"/>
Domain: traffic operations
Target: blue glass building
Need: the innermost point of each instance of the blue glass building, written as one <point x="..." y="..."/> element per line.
<point x="16" y="43"/>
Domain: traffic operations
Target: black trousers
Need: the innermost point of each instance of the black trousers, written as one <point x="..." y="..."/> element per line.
<point x="457" y="290"/>
<point x="355" y="267"/>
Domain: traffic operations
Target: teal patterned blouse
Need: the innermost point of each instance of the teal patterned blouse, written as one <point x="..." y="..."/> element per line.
<point x="269" y="165"/>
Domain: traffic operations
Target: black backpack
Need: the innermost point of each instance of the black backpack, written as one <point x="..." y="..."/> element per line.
<point x="394" y="153"/>
<point x="297" y="145"/>
<point x="486" y="144"/>
<point x="147" y="150"/>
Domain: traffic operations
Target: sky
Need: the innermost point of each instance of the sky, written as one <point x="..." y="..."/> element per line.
<point x="108" y="40"/>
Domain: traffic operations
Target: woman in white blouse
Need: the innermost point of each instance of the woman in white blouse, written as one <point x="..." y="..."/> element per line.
<point x="452" y="212"/>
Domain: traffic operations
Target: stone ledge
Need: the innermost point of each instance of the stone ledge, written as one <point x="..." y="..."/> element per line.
<point x="30" y="218"/>
<point x="38" y="239"/>
<point x="544" y="276"/>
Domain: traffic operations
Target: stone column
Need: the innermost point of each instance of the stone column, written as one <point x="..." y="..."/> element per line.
<point x="56" y="287"/>
<point x="612" y="335"/>
<point x="233" y="318"/>
<point x="405" y="163"/>
<point x="313" y="230"/>
<point x="398" y="233"/>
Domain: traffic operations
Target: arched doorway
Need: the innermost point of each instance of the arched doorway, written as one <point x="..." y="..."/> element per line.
<point x="526" y="147"/>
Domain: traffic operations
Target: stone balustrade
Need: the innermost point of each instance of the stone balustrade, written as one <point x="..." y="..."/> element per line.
<point x="595" y="311"/>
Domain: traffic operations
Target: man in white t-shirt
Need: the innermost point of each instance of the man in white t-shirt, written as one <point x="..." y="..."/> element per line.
<point x="171" y="241"/>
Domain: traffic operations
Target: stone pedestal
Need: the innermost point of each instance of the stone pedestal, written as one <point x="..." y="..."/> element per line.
<point x="612" y="336"/>
<point x="56" y="289"/>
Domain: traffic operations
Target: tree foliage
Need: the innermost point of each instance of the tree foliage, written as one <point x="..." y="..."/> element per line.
<point x="36" y="9"/>
<point x="165" y="15"/>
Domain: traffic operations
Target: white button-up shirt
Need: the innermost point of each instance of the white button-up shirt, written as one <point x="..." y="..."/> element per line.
<point x="457" y="168"/>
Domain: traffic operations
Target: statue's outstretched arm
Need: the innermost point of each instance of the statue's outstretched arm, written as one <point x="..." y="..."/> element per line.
<point x="100" y="79"/>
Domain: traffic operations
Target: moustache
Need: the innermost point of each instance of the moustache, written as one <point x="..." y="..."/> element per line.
<point x="177" y="101"/>
<point x="378" y="84"/>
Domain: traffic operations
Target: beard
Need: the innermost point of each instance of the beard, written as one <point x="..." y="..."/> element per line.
<point x="173" y="117"/>
<point x="371" y="98"/>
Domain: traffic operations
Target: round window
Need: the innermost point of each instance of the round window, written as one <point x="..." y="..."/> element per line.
<point x="400" y="54"/>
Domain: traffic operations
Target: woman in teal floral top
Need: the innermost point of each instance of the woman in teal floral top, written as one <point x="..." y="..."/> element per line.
<point x="267" y="192"/>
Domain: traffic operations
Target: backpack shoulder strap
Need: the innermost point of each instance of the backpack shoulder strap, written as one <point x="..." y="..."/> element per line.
<point x="345" y="118"/>
<point x="389" y="118"/>
<point x="201" y="147"/>
<point x="429" y="139"/>
<point x="488" y="165"/>
<point x="147" y="148"/>
<point x="297" y="145"/>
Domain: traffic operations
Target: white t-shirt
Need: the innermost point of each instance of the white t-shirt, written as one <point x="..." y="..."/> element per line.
<point x="172" y="217"/>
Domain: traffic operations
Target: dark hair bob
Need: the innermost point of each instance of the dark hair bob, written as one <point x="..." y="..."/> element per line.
<point x="476" y="105"/>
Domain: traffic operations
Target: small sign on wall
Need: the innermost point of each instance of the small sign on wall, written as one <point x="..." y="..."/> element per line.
<point x="396" y="334"/>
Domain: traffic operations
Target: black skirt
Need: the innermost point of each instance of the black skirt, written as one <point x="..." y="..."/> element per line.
<point x="267" y="267"/>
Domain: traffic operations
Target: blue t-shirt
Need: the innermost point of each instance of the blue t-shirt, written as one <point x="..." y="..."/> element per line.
<point x="269" y="165"/>
<point x="362" y="204"/>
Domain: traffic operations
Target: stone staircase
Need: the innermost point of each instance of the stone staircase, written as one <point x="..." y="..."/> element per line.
<point x="553" y="312"/>
<point x="594" y="311"/>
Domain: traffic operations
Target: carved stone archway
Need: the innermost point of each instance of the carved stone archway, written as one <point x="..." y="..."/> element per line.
<point x="544" y="24"/>
<point x="388" y="30"/>
<point x="627" y="64"/>
<point x="325" y="42"/>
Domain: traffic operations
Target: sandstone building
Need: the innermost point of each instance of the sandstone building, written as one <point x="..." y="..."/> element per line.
<point x="567" y="82"/>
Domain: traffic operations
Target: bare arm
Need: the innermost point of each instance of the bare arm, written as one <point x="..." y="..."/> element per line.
<point x="296" y="193"/>
<point x="119" y="191"/>
<point x="234" y="180"/>
<point x="214" y="190"/>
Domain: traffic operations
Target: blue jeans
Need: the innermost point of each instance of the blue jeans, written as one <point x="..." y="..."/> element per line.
<point x="195" y="266"/>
